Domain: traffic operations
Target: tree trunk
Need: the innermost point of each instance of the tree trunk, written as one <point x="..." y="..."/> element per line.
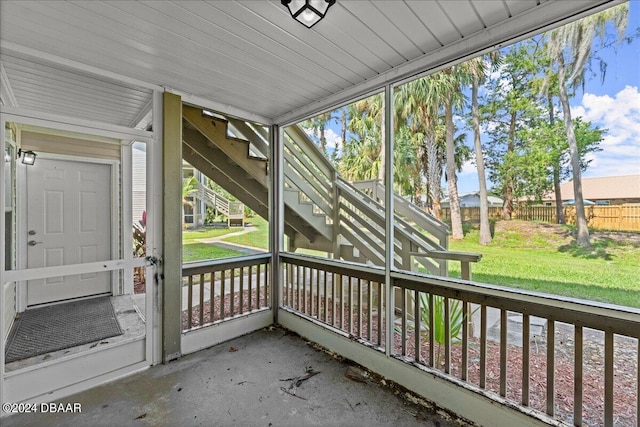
<point x="323" y="139"/>
<point x="343" y="131"/>
<point x="452" y="182"/>
<point x="434" y="176"/>
<point x="382" y="152"/>
<point x="485" y="230"/>
<point x="507" y="192"/>
<point x="558" y="194"/>
<point x="582" y="239"/>
<point x="556" y="167"/>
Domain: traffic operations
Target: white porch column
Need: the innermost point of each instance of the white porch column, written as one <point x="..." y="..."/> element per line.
<point x="276" y="215"/>
<point x="389" y="209"/>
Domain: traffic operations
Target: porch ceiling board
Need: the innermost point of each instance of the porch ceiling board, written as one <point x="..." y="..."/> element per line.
<point x="51" y="89"/>
<point x="247" y="55"/>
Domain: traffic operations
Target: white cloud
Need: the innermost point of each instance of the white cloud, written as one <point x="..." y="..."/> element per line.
<point x="330" y="135"/>
<point x="332" y="138"/>
<point x="620" y="115"/>
<point x="469" y="167"/>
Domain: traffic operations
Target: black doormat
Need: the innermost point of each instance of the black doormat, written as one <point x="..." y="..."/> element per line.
<point x="56" y="327"/>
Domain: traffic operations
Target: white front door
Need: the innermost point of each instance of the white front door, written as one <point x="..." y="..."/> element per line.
<point x="68" y="222"/>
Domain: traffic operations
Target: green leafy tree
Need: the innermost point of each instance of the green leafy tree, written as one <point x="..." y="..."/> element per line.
<point x="510" y="106"/>
<point x="570" y="49"/>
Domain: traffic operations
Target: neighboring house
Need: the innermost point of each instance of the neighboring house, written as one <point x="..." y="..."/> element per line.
<point x="194" y="212"/>
<point x="609" y="190"/>
<point x="138" y="180"/>
<point x="472" y="200"/>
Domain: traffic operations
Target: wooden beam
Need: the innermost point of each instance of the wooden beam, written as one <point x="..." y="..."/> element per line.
<point x="172" y="226"/>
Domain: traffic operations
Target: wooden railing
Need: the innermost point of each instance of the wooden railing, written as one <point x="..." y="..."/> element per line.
<point x="556" y="358"/>
<point x="338" y="294"/>
<point x="234" y="211"/>
<point x="219" y="290"/>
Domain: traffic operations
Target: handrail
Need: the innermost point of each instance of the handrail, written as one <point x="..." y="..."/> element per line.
<point x="406" y="208"/>
<point x="485" y="338"/>
<point x="373" y="208"/>
<point x="219" y="202"/>
<point x="620" y="319"/>
<point x="200" y="267"/>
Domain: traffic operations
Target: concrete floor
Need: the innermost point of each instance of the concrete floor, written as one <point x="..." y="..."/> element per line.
<point x="249" y="381"/>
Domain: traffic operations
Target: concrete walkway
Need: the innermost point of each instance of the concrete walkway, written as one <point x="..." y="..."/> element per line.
<point x="216" y="239"/>
<point x="249" y="381"/>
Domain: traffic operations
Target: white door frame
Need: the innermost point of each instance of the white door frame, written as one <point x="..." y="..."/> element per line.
<point x="21" y="212"/>
<point x="152" y="352"/>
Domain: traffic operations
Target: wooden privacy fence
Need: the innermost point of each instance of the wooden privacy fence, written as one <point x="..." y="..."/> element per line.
<point x="616" y="217"/>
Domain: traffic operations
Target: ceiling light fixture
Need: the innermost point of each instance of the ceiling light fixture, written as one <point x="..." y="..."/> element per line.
<point x="308" y="12"/>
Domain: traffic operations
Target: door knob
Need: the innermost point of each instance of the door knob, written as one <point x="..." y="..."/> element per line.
<point x="33" y="243"/>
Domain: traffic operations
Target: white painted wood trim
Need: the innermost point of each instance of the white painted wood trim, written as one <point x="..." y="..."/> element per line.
<point x="6" y="92"/>
<point x="59" y="378"/>
<point x="2" y="260"/>
<point x="389" y="222"/>
<point x="126" y="233"/>
<point x="70" y="124"/>
<point x="144" y="115"/>
<point x="7" y="46"/>
<point x="21" y="230"/>
<point x="221" y="108"/>
<point x="66" y="270"/>
<point x="115" y="220"/>
<point x="154" y="233"/>
<point x="445" y="393"/>
<point x="209" y="336"/>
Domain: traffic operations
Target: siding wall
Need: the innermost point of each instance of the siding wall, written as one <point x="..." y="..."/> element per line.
<point x="46" y="143"/>
<point x="139" y="180"/>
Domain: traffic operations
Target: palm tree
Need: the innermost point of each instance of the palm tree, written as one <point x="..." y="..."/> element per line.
<point x="366" y="120"/>
<point x="570" y="50"/>
<point x="318" y="125"/>
<point x="417" y="103"/>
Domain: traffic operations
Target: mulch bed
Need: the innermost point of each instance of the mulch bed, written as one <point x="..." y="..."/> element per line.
<point x="247" y="306"/>
<point x="625" y="366"/>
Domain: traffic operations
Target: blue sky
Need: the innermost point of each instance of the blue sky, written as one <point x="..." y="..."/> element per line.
<point x="613" y="104"/>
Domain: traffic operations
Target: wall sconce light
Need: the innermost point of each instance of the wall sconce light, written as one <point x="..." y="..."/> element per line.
<point x="308" y="12"/>
<point x="28" y="157"/>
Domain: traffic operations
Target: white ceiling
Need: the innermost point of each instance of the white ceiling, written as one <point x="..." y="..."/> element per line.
<point x="248" y="57"/>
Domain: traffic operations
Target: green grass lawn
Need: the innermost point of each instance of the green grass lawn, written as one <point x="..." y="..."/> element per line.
<point x="524" y="255"/>
<point x="543" y="258"/>
<point x="207" y="232"/>
<point x="203" y="251"/>
<point x="257" y="239"/>
<point x="192" y="250"/>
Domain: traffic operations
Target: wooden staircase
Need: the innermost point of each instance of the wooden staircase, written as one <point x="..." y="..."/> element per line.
<point x="322" y="211"/>
<point x="234" y="211"/>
